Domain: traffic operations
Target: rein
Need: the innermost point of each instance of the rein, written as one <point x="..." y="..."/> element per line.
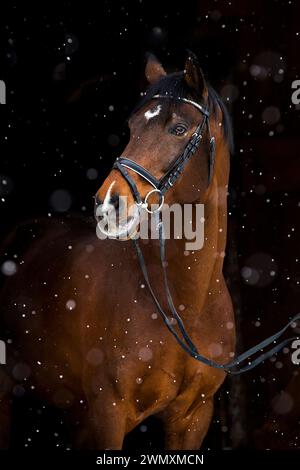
<point x="161" y="186"/>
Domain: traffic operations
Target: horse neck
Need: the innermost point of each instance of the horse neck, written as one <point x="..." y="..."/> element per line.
<point x="193" y="275"/>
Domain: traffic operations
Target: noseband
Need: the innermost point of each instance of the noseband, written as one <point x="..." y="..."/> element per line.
<point x="161" y="186"/>
<point x="168" y="180"/>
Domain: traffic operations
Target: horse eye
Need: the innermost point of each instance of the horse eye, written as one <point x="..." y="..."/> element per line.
<point x="179" y="129"/>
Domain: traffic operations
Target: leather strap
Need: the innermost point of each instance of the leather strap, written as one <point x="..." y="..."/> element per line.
<point x="140" y="170"/>
<point x="233" y="367"/>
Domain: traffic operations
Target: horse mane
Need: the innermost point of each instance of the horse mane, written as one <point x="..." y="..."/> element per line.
<point x="175" y="85"/>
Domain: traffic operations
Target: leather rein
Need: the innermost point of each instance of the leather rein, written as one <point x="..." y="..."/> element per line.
<point x="160" y="187"/>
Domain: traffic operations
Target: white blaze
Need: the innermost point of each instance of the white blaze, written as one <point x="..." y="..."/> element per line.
<point x="105" y="205"/>
<point x="151" y="113"/>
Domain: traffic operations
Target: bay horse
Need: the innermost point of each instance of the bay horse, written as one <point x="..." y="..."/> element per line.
<point x="82" y="330"/>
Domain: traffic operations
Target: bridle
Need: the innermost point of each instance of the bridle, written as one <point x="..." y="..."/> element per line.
<point x="168" y="180"/>
<point x="161" y="186"/>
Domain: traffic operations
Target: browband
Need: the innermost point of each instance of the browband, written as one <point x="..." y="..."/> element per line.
<point x="185" y="100"/>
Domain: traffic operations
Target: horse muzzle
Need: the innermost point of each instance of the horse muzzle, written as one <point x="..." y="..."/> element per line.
<point x="116" y="219"/>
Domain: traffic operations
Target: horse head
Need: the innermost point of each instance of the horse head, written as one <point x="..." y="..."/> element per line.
<point x="156" y="165"/>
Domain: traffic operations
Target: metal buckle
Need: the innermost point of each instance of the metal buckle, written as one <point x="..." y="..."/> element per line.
<point x="170" y="182"/>
<point x="145" y="203"/>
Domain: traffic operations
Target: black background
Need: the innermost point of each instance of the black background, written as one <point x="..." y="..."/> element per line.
<point x="74" y="70"/>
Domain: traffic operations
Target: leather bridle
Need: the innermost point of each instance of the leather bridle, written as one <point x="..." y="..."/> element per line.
<point x="161" y="186"/>
<point x="168" y="180"/>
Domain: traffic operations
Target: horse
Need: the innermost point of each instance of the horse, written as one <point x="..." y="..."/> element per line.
<point x="81" y="329"/>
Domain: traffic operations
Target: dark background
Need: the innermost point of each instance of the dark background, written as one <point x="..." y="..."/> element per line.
<point x="73" y="71"/>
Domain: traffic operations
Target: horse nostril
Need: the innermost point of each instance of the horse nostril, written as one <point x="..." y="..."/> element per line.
<point x="103" y="207"/>
<point x="115" y="201"/>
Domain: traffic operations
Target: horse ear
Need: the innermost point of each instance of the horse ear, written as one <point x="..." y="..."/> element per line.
<point x="154" y="70"/>
<point x="194" y="76"/>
